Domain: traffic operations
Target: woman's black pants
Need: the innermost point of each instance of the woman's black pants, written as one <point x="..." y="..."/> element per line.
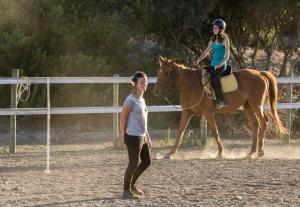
<point x="137" y="148"/>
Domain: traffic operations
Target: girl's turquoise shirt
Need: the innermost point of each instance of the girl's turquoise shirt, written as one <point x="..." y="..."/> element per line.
<point x="218" y="54"/>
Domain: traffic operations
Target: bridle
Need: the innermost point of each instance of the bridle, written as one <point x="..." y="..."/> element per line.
<point x="171" y="81"/>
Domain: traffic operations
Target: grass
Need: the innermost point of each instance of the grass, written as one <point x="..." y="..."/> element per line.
<point x="4" y="149"/>
<point x="53" y="148"/>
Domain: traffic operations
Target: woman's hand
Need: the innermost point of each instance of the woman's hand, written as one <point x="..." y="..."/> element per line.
<point x="149" y="140"/>
<point x="121" y="140"/>
<point x="150" y="143"/>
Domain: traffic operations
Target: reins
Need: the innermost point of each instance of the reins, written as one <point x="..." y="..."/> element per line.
<point x="200" y="76"/>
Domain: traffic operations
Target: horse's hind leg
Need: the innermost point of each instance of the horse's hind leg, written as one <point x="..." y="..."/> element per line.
<point x="261" y="140"/>
<point x="213" y="127"/>
<point x="263" y="123"/>
<point x="250" y="115"/>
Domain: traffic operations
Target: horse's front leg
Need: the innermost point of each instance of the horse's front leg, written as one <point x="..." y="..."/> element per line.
<point x="185" y="118"/>
<point x="213" y="126"/>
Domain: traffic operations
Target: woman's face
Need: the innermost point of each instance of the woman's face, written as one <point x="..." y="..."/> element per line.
<point x="216" y="30"/>
<point x="141" y="84"/>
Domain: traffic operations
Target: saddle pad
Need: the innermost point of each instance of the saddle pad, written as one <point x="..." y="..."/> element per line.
<point x="229" y="83"/>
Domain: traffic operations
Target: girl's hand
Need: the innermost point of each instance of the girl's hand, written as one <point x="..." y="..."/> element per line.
<point x="218" y="66"/>
<point x="196" y="63"/>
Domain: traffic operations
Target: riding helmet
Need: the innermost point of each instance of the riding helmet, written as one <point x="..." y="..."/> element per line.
<point x="220" y="23"/>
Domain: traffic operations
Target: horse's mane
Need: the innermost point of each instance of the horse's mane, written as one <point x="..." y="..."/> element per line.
<point x="182" y="67"/>
<point x="177" y="65"/>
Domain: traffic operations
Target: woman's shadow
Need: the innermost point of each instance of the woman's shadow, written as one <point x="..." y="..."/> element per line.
<point x="104" y="201"/>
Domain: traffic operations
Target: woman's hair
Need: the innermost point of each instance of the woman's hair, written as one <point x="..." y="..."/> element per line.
<point x="221" y="36"/>
<point x="137" y="76"/>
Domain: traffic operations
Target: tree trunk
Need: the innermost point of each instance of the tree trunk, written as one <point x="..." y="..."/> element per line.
<point x="287" y="56"/>
<point x="269" y="55"/>
<point x="268" y="63"/>
<point x="238" y="57"/>
<point x="253" y="57"/>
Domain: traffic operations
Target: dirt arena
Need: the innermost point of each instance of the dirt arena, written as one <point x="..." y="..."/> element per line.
<point x="92" y="175"/>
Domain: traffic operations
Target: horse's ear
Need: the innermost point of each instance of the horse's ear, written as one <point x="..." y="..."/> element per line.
<point x="161" y="59"/>
<point x="172" y="61"/>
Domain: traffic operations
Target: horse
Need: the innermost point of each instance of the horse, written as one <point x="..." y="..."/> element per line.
<point x="253" y="88"/>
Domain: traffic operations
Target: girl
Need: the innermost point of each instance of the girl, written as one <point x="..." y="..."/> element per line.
<point x="133" y="125"/>
<point x="219" y="43"/>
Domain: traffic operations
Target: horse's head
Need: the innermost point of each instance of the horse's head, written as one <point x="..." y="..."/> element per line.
<point x="166" y="76"/>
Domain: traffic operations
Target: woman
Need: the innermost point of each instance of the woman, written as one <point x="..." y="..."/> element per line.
<point x="219" y="43"/>
<point x="135" y="135"/>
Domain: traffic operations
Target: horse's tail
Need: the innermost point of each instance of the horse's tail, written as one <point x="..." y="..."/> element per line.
<point x="273" y="99"/>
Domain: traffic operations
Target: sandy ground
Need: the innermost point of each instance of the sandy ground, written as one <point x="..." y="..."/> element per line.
<point x="92" y="175"/>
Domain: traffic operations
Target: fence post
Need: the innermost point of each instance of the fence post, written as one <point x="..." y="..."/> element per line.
<point x="289" y="99"/>
<point x="13" y="118"/>
<point x="116" y="114"/>
<point x="203" y="130"/>
<point x="48" y="128"/>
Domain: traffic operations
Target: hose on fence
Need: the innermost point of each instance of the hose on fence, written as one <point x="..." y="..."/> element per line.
<point x="22" y="88"/>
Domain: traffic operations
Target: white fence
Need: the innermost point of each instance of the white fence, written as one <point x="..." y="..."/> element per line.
<point x="115" y="109"/>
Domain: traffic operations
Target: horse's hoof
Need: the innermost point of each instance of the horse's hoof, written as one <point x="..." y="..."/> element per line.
<point x="220" y="157"/>
<point x="168" y="157"/>
<point x="261" y="153"/>
<point x="250" y="156"/>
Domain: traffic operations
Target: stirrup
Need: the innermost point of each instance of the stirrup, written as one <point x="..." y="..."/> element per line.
<point x="221" y="105"/>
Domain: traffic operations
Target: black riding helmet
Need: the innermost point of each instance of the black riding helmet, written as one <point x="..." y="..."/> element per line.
<point x="220" y="23"/>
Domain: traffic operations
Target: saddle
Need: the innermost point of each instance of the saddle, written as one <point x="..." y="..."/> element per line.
<point x="228" y="81"/>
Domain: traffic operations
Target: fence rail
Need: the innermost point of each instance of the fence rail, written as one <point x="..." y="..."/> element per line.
<point x="107" y="110"/>
<point x="75" y="80"/>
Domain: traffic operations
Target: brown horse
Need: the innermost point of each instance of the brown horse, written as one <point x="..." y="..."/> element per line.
<point x="253" y="87"/>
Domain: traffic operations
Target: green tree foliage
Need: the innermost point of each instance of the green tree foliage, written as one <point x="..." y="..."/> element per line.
<point x="104" y="37"/>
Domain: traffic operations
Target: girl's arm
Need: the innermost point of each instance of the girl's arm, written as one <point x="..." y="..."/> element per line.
<point x="227" y="52"/>
<point x="205" y="53"/>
